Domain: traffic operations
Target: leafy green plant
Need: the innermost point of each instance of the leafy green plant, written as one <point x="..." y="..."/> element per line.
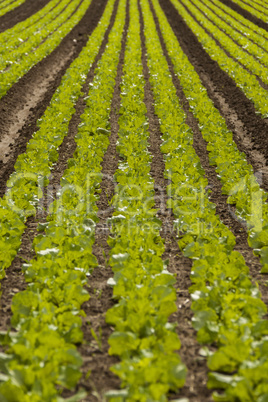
<point x="233" y="41"/>
<point x="256" y="10"/>
<point x="9" y="5"/>
<point x="227" y="307"/>
<point x="16" y="71"/>
<point x="33" y="167"/>
<point x="42" y="358"/>
<point x="143" y="339"/>
<point x="19" y="47"/>
<point x="246" y="81"/>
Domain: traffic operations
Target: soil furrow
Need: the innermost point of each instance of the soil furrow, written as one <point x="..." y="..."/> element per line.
<point x="178" y="264"/>
<point x="218" y="43"/>
<point x="230" y="37"/>
<point x="218" y="14"/>
<point x="254" y="7"/>
<point x="257" y="127"/>
<point x="27" y="100"/>
<point x="237" y="19"/>
<point x="95" y="354"/>
<point x="21" y="13"/>
<point x="246" y="14"/>
<point x="14" y="276"/>
<point x="51" y="33"/>
<point x="226" y="212"/>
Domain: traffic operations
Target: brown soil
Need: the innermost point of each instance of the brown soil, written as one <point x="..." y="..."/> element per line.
<point x="226" y="213"/>
<point x="178" y="264"/>
<point x="224" y="86"/>
<point x="218" y="43"/>
<point x="246" y="14"/>
<point x="27" y="101"/>
<point x="95" y="356"/>
<point x="218" y="13"/>
<point x="229" y="36"/>
<point x="21" y="13"/>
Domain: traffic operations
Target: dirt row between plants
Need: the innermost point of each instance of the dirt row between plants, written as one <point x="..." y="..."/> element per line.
<point x="265" y="86"/>
<point x="257" y="21"/>
<point x="195" y="386"/>
<point x="228" y="54"/>
<point x="100" y="293"/>
<point x="242" y="107"/>
<point x="14" y="280"/>
<point x="240" y="116"/>
<point x="218" y="13"/>
<point x="21" y="13"/>
<point x="94" y="353"/>
<point x="28" y="99"/>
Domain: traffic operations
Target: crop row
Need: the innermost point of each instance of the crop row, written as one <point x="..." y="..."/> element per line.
<point x="16" y="70"/>
<point x="9" y="5"/>
<point x="238" y="22"/>
<point x="143" y="339"/>
<point x="33" y="167"/>
<point x="245" y="80"/>
<point x="236" y="175"/>
<point x="42" y="357"/>
<point x="27" y="41"/>
<point x="24" y="28"/>
<point x="233" y="41"/>
<point x="227" y="307"/>
<point x="254" y="9"/>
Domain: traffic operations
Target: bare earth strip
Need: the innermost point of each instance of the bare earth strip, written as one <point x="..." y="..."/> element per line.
<point x="14" y="280"/>
<point x="178" y="264"/>
<point x="95" y="353"/>
<point x="225" y="211"/>
<point x="246" y="14"/>
<point x="27" y="100"/>
<point x="21" y="13"/>
<point x="265" y="86"/>
<point x="204" y="65"/>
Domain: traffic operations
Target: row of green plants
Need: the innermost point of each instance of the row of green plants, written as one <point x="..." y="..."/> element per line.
<point x="144" y="340"/>
<point x="238" y="22"/>
<point x="236" y="175"/>
<point x="259" y="2"/>
<point x="17" y="70"/>
<point x="9" y="5"/>
<point x="246" y="81"/>
<point x="33" y="167"/>
<point x="255" y="9"/>
<point x="17" y="48"/>
<point x="227" y="307"/>
<point x="24" y="27"/>
<point x="42" y="358"/>
<point x="228" y="41"/>
<point x="236" y="51"/>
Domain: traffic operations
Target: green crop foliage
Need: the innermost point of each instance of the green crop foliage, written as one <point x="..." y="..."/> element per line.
<point x="256" y="10"/>
<point x="41" y="358"/>
<point x="257" y="64"/>
<point x="239" y="23"/>
<point x="227" y="307"/>
<point x="17" y="70"/>
<point x="33" y="167"/>
<point x="9" y="5"/>
<point x="143" y="339"/>
<point x="12" y="35"/>
<point x="18" y="47"/>
<point x="246" y="81"/>
<point x="236" y="175"/>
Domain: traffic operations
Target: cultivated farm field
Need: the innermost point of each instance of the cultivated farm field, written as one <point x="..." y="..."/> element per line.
<point x="133" y="209"/>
